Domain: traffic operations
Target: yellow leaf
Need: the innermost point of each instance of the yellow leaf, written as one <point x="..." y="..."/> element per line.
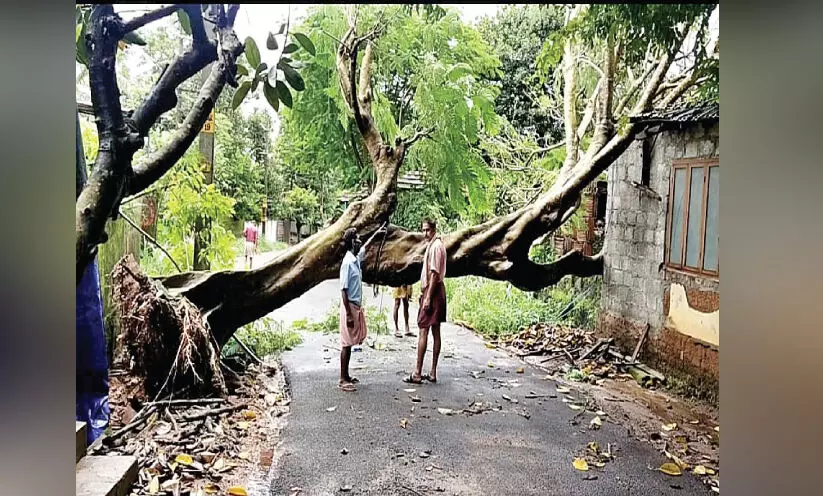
<point x="669" y="427"/>
<point x="154" y="485"/>
<point x="210" y="488"/>
<point x="183" y="459"/>
<point x="670" y="469"/>
<point x="490" y="346"/>
<point x="520" y="370"/>
<point x="404" y="422"/>
<point x="593" y="446"/>
<point x="699" y="470"/>
<point x="249" y="414"/>
<point x="237" y="491"/>
<point x="491" y="365"/>
<point x="580" y="464"/>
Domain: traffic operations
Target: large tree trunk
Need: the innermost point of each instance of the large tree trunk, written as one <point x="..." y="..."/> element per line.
<point x="497" y="249"/>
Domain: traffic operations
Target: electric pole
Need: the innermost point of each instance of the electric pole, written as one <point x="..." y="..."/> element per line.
<point x="202" y="226"/>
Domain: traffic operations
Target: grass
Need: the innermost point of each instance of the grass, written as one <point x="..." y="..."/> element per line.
<point x="496" y="308"/>
<point x="265" y="337"/>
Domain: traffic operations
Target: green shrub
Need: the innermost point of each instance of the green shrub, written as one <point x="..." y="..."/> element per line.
<point x="496" y="308"/>
<point x="376" y="321"/>
<point x="265" y="337"/>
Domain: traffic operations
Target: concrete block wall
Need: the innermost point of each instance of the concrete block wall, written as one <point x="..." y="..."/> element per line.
<point x="635" y="282"/>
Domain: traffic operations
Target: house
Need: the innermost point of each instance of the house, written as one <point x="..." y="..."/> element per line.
<point x="661" y="246"/>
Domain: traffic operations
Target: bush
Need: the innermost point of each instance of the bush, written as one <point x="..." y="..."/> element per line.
<point x="376" y="322"/>
<point x="265" y="337"/>
<point x="496" y="308"/>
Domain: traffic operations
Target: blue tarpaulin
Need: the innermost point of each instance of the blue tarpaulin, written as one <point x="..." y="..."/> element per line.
<point x="92" y="374"/>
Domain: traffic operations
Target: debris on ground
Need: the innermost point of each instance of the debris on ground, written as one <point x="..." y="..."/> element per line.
<point x="197" y="446"/>
<point x="588" y="359"/>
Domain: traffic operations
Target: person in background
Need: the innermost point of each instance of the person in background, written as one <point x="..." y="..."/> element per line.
<point x="432" y="310"/>
<point x="250" y="233"/>
<point x="402" y="295"/>
<point x="352" y="316"/>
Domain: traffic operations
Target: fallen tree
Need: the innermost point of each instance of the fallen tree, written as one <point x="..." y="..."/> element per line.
<point x="497" y="249"/>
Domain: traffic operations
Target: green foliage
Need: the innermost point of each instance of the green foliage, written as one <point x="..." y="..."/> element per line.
<point x="514" y="309"/>
<point x="264" y="337"/>
<point x="302" y="206"/>
<point x="376" y="321"/>
<point x="185" y="199"/>
<point x="516" y="34"/>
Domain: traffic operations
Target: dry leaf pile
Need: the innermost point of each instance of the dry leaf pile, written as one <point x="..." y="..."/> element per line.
<point x="195" y="446"/>
<point x="590" y="359"/>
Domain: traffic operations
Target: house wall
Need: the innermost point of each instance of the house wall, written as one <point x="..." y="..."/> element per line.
<point x="682" y="310"/>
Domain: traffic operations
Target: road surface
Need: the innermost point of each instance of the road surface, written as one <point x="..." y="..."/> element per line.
<point x="353" y="443"/>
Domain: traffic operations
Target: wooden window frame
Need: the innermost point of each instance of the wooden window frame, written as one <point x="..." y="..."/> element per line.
<point x="689" y="164"/>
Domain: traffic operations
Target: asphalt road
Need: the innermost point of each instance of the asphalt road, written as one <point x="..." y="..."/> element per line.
<point x="518" y="448"/>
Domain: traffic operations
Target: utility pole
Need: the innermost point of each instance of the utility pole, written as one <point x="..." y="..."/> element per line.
<point x="201" y="227"/>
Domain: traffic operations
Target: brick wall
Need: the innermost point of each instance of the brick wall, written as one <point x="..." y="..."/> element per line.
<point x="635" y="284"/>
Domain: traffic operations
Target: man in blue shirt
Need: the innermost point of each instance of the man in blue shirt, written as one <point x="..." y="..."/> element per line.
<point x="352" y="316"/>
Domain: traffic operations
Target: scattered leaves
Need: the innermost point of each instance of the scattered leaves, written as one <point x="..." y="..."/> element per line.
<point x="671" y="469"/>
<point x="669" y="427"/>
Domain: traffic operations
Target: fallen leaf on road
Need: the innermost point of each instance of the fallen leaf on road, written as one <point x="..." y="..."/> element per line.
<point x="345" y="488"/>
<point x="600" y="413"/>
<point x="491" y="365"/>
<point x="717" y="428"/>
<point x="669" y="427"/>
<point x="331" y="408"/>
<point x="423" y="454"/>
<point x="561" y="389"/>
<point x="593" y="446"/>
<point x="410" y="390"/>
<point x="404" y="422"/>
<point x="694" y="422"/>
<point x="670" y="469"/>
<point x="183" y="459"/>
<point x="596" y="423"/>
<point x="521" y="370"/>
<point x="490" y="346"/>
<point x="575" y="407"/>
<point x="243" y="425"/>
<point x="416" y="399"/>
<point x="244" y="455"/>
<point x="701" y="470"/>
<point x="249" y="414"/>
<point x="445" y="411"/>
<point x="590" y="477"/>
<point x="237" y="491"/>
<point x="580" y="464"/>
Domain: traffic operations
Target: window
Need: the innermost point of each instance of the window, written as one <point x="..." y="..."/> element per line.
<point x="692" y="224"/>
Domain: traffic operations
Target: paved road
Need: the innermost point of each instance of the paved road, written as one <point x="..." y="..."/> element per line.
<point x="497" y="452"/>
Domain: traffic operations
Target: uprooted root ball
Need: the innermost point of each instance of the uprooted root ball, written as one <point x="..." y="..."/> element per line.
<point x="168" y="341"/>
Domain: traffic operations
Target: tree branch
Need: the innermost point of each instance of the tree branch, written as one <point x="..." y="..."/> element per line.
<point x="150" y="239"/>
<point x="158" y="164"/>
<point x="149" y="17"/>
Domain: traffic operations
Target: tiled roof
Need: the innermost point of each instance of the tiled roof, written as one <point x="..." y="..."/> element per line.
<point x="681" y="113"/>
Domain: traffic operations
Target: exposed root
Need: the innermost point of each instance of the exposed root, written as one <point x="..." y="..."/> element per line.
<point x="167" y="339"/>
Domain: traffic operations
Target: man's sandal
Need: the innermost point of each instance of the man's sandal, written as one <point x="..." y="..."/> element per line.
<point x="427" y="377"/>
<point x="411" y="380"/>
<point x="347" y="387"/>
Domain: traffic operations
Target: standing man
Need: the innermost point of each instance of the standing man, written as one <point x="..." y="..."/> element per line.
<point x="250" y="232"/>
<point x="432" y="302"/>
<point x="352" y="316"/>
<point x="402" y="294"/>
